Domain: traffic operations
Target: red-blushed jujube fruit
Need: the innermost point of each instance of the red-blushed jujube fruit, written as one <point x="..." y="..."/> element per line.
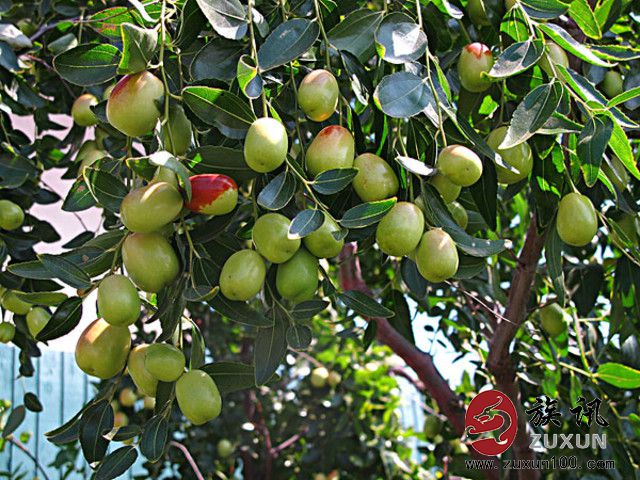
<point x="37" y="319"/>
<point x="297" y="278"/>
<point x="519" y="157"/>
<point x="131" y="107"/>
<point x="460" y="164"/>
<point x="375" y="180"/>
<point x="11" y="215"/>
<point x="7" y="332"/>
<point x="322" y="243"/>
<point x="11" y="302"/>
<point x="448" y="190"/>
<point x="198" y="397"/>
<point x="149" y="208"/>
<point x="318" y="95"/>
<point x="144" y="381"/>
<point x="400" y="230"/>
<point x="266" y="145"/>
<point x="213" y="194"/>
<point x="475" y="60"/>
<point x="176" y="131"/>
<point x="553" y="319"/>
<point x="165" y="362"/>
<point x="577" y="222"/>
<point x="102" y="349"/>
<point x="437" y="256"/>
<point x="554" y="54"/>
<point x="270" y="236"/>
<point x="612" y="84"/>
<point x="459" y="214"/>
<point x="150" y="261"/>
<point x="333" y="147"/>
<point x="118" y="300"/>
<point x="81" y="110"/>
<point x="242" y="275"/>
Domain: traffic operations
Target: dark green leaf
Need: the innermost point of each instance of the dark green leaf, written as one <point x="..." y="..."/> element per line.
<point x="227" y="17"/>
<point x="308" y="309"/>
<point x="79" y="197"/>
<point x="32" y="403"/>
<point x="214" y="159"/>
<point x="333" y="181"/>
<point x="96" y="421"/>
<point x="231" y="377"/>
<point x="239" y="312"/>
<point x="154" y="438"/>
<point x="401" y="321"/>
<point x="198" y="348"/>
<point x="581" y="12"/>
<point x="592" y="143"/>
<point x="15" y="419"/>
<point x="139" y="46"/>
<point x="88" y="64"/>
<point x="364" y="305"/>
<point x="249" y="77"/>
<point x="581" y="50"/>
<point x="402" y="95"/>
<point x="485" y="194"/>
<point x="355" y="34"/>
<point x="42" y="298"/>
<point x="532" y="113"/>
<point x="116" y="463"/>
<point x="66" y="271"/>
<point x="287" y="42"/>
<point x="107" y="189"/>
<point x="278" y="192"/>
<point x="225" y="110"/>
<point x="299" y="337"/>
<point x="217" y="60"/>
<point x="305" y="223"/>
<point x="366" y="214"/>
<point x="270" y="348"/>
<point x="66" y="317"/>
<point x="544" y="9"/>
<point x="517" y="58"/>
<point x="553" y="257"/>
<point x="400" y="40"/>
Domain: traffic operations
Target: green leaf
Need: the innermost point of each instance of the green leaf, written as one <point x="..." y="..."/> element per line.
<point x="278" y="192"/>
<point x="107" y="189"/>
<point x="619" y="375"/>
<point x="67" y="432"/>
<point x="42" y="298"/>
<point x="200" y="293"/>
<point x="229" y="161"/>
<point x="239" y="312"/>
<point x="32" y="403"/>
<point x="116" y="463"/>
<point x="544" y="9"/>
<point x="553" y="257"/>
<point x="305" y="223"/>
<point x="192" y="21"/>
<point x="217" y="60"/>
<point x="138" y="47"/>
<point x="154" y="438"/>
<point x="592" y="143"/>
<point x="355" y="34"/>
<point x="621" y="146"/>
<point x="616" y="53"/>
<point x="8" y="58"/>
<point x="299" y="337"/>
<point x="532" y="113"/>
<point x="364" y="305"/>
<point x="269" y="350"/>
<point x="624" y="97"/>
<point x="66" y="317"/>
<point x="517" y="58"/>
<point x="66" y="271"/>
<point x="402" y="95"/>
<point x="88" y="64"/>
<point x="438" y="215"/>
<point x="581" y="12"/>
<point x="79" y="197"/>
<point x="401" y="321"/>
<point x="469" y="267"/>
<point x="287" y="42"/>
<point x="308" y="309"/>
<point x="167" y="160"/>
<point x="333" y="181"/>
<point x="231" y="377"/>
<point x="15" y="419"/>
<point x="224" y="110"/>
<point x="249" y="78"/>
<point x="198" y="348"/>
<point x="227" y="17"/>
<point x="400" y="40"/>
<point x="581" y="50"/>
<point x="366" y="214"/>
<point x="485" y="194"/>
<point x="95" y="422"/>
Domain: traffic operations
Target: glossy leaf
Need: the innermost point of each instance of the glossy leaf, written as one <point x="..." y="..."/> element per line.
<point x="592" y="143"/>
<point x="269" y="350"/>
<point x="227" y="17"/>
<point x="305" y="223"/>
<point x="517" y="58"/>
<point x="66" y="317"/>
<point x="400" y="40"/>
<point x="89" y="64"/>
<point x="333" y="181"/>
<point x="403" y="94"/>
<point x="116" y="463"/>
<point x="65" y="270"/>
<point x="154" y="438"/>
<point x="139" y="46"/>
<point x="287" y="42"/>
<point x="618" y="375"/>
<point x="364" y="305"/>
<point x="278" y="192"/>
<point x="355" y="34"/>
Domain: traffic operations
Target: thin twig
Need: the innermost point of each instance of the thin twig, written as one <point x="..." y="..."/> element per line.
<point x="192" y="463"/>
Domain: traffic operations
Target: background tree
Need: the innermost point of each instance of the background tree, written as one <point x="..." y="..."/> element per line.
<point x="497" y="107"/>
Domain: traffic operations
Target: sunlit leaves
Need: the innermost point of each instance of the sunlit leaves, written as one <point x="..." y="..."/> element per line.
<point x="287" y="42"/>
<point x="90" y="64"/>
